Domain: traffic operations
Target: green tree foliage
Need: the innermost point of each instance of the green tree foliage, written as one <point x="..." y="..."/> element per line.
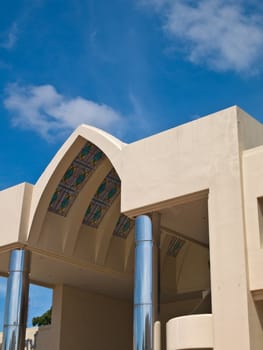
<point x="42" y="320"/>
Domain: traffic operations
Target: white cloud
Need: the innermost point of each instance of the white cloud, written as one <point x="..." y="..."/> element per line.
<point x="225" y="35"/>
<point x="44" y="110"/>
<point x="10" y="37"/>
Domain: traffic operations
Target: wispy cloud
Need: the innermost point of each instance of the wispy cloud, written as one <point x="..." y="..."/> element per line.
<point x="224" y="35"/>
<point x="139" y="117"/>
<point x="47" y="112"/>
<point x="9" y="37"/>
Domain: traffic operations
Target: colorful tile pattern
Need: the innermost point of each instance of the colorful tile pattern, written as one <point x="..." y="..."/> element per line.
<point x="106" y="193"/>
<point x="75" y="178"/>
<point x="175" y="246"/>
<point x="123" y="227"/>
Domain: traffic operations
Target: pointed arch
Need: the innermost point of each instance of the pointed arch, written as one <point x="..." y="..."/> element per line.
<point x="45" y="187"/>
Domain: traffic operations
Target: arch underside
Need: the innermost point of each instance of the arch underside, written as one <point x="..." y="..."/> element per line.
<point x="83" y="217"/>
<point x="83" y="222"/>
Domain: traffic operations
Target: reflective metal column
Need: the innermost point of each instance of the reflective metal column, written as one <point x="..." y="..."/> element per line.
<point x="143" y="285"/>
<point x="16" y="300"/>
<point x="156" y="220"/>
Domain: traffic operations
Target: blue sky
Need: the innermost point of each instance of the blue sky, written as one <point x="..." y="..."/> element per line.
<point x="131" y="67"/>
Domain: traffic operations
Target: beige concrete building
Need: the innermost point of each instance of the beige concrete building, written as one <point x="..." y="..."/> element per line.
<point x="201" y="185"/>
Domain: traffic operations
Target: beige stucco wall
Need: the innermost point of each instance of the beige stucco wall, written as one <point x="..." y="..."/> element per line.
<point x="44" y="338"/>
<point x="251" y="136"/>
<point x="93" y="321"/>
<point x="253" y="189"/>
<point x="14" y="208"/>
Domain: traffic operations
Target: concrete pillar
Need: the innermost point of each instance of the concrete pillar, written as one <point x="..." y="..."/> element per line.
<point x="143" y="285"/>
<point x="16" y="300"/>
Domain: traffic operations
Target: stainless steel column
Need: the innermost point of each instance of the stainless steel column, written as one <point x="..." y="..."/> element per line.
<point x="143" y="285"/>
<point x="16" y="300"/>
<point x="156" y="220"/>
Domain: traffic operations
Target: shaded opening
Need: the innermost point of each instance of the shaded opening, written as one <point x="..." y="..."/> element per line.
<point x="184" y="261"/>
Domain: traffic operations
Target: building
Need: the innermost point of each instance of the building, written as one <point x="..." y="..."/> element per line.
<point x="191" y="198"/>
<point x="30" y="338"/>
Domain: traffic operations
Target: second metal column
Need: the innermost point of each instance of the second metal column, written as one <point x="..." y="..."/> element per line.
<point x="143" y="285"/>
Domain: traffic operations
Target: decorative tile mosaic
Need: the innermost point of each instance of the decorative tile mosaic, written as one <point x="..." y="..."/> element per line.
<point x="75" y="178"/>
<point x="175" y="246"/>
<point x="60" y="201"/>
<point x="94" y="214"/>
<point x="123" y="227"/>
<point x="104" y="197"/>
